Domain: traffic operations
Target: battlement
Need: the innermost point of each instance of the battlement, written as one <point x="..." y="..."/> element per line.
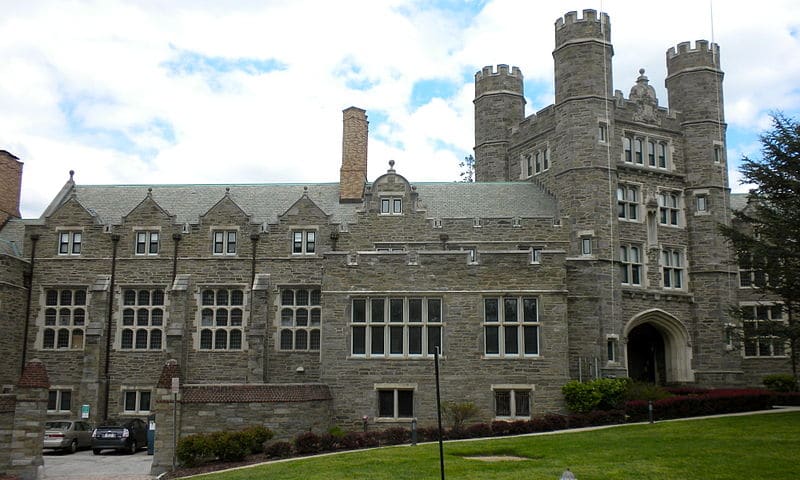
<point x="500" y="80"/>
<point x="502" y="69"/>
<point x="590" y="25"/>
<point x="704" y="54"/>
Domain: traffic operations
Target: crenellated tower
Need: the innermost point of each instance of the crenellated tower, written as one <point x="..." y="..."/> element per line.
<point x="694" y="83"/>
<point x="580" y="166"/>
<point x="499" y="105"/>
<point x="583" y="177"/>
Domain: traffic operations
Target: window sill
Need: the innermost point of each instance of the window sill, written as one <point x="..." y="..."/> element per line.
<point x="394" y="420"/>
<point x="486" y="356"/>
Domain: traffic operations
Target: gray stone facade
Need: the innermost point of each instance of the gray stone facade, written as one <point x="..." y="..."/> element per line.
<point x="588" y="247"/>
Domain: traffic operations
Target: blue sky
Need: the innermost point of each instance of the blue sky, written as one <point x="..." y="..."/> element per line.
<point x="247" y="91"/>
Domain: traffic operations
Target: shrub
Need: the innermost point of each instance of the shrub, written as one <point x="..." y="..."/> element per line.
<point x="328" y="442"/>
<point x="781" y="382"/>
<point x="598" y="394"/>
<point x="478" y="430"/>
<point x="352" y="440"/>
<point x="581" y="397"/>
<point x="372" y="439"/>
<point x="257" y="436"/>
<point x="194" y="450"/>
<point x="396" y="436"/>
<point x="458" y="413"/>
<point x="307" y="442"/>
<point x="336" y="431"/>
<point x="646" y="391"/>
<point x="230" y="446"/>
<point x="612" y="392"/>
<point x="428" y="434"/>
<point x="280" y="449"/>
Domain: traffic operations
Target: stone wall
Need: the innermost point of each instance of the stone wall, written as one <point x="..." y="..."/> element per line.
<point x="22" y="415"/>
<point x="286" y="409"/>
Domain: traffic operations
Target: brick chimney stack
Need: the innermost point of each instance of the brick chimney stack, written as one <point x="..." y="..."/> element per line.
<point x="353" y="174"/>
<point x="10" y="186"/>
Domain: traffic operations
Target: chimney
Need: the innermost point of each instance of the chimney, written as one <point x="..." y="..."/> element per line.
<point x="10" y="186"/>
<point x="353" y="174"/>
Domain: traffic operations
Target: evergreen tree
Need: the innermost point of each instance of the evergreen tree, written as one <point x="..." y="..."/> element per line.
<point x="766" y="234"/>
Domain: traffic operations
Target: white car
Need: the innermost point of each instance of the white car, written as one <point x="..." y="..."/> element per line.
<point x="67" y="435"/>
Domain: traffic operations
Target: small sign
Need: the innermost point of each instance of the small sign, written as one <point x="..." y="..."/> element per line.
<point x="176" y="385"/>
<point x="84" y="411"/>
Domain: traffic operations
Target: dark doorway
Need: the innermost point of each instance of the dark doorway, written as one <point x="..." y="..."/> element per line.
<point x="646" y="359"/>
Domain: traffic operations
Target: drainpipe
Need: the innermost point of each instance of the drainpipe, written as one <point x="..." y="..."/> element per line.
<point x="176" y="238"/>
<point x="109" y="318"/>
<point x="34" y="238"/>
<point x="254" y="242"/>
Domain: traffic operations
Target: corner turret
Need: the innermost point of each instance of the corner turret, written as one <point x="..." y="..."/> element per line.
<point x="582" y="56"/>
<point x="499" y="105"/>
<point x="694" y="81"/>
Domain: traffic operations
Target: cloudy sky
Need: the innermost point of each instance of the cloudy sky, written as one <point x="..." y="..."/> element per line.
<point x="251" y="91"/>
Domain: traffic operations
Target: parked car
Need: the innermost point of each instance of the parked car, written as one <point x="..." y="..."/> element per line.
<point x="67" y="435"/>
<point x="128" y="434"/>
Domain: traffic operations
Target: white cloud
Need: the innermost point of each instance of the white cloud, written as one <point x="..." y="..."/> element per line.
<point x="87" y="85"/>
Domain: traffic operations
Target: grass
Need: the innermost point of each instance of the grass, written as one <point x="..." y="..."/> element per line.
<point x="755" y="446"/>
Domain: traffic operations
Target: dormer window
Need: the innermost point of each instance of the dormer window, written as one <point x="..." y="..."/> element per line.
<point x="69" y="242"/>
<point x="304" y="242"/>
<point x="391" y="206"/>
<point x="224" y="242"/>
<point x="147" y="243"/>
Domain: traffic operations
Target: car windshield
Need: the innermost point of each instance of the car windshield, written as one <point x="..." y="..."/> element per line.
<point x="57" y="425"/>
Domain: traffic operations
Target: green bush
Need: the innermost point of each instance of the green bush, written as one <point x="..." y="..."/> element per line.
<point x="581" y="397"/>
<point x="230" y="446"/>
<point x="194" y="450"/>
<point x="226" y="446"/>
<point x="781" y="382"/>
<point x="599" y="394"/>
<point x="256" y="436"/>
<point x="458" y="413"/>
<point x="612" y="392"/>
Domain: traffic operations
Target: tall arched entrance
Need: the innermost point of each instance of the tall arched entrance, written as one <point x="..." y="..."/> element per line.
<point x="657" y="349"/>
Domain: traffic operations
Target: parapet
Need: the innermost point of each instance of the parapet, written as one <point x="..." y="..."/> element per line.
<point x="704" y="54"/>
<point x="489" y="80"/>
<point x="570" y="27"/>
<point x="502" y="69"/>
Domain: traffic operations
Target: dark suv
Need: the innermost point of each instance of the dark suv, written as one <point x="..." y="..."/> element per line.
<point x="128" y="434"/>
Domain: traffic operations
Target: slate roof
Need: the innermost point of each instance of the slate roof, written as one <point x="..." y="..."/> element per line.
<point x="266" y="202"/>
<point x="255" y="393"/>
<point x="738" y="201"/>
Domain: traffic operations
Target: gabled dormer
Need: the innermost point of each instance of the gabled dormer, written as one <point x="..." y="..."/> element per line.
<point x="227" y="224"/>
<point x="145" y="228"/>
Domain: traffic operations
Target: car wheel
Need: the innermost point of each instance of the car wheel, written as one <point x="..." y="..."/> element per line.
<point x="73" y="447"/>
<point x="96" y="451"/>
<point x="133" y="448"/>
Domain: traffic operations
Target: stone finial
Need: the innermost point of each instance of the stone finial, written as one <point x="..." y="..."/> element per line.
<point x="71" y="175"/>
<point x="34" y="375"/>
<point x="643" y="91"/>
<point x="391" y="167"/>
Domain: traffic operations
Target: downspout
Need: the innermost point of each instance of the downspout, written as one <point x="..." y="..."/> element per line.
<point x="254" y="243"/>
<point x="176" y="238"/>
<point x="110" y="316"/>
<point x="34" y="238"/>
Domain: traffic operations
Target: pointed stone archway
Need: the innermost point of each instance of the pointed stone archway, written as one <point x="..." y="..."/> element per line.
<point x="658" y="348"/>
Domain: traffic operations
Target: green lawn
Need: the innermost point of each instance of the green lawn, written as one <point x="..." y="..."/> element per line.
<point x="747" y="447"/>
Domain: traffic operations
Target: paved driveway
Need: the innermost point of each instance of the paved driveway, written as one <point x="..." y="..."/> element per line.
<point x="86" y="466"/>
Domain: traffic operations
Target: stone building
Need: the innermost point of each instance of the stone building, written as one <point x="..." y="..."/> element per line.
<point x="587" y="247"/>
